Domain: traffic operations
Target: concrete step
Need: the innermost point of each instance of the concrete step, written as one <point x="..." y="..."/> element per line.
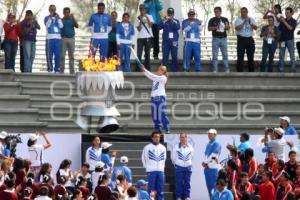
<point x="10" y="88"/>
<point x="19" y="115"/>
<point x="6" y="75"/>
<point x="138" y="176"/>
<point x="14" y="101"/>
<point x="23" y="127"/>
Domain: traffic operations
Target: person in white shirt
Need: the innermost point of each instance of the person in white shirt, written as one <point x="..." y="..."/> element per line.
<point x="1" y="28"/>
<point x="93" y="153"/>
<point x="36" y="150"/>
<point x="182" y="158"/>
<point x="144" y="24"/>
<point x="99" y="170"/>
<point x="153" y="158"/>
<point x="158" y="98"/>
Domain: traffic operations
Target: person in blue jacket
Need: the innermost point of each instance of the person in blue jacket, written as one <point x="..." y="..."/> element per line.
<point x="170" y="27"/>
<point x="154" y="7"/>
<point x="285" y="123"/>
<point x="192" y="30"/>
<point x="125" y="34"/>
<point x="142" y="190"/>
<point x="221" y="192"/>
<point x="122" y="169"/>
<point x="53" y="25"/>
<point x="106" y="158"/>
<point x="101" y="25"/>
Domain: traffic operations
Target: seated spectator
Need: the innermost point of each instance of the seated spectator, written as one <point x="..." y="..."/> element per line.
<point x="296" y="180"/>
<point x="132" y="193"/>
<point x="245" y="186"/>
<point x="221" y="191"/>
<point x="291" y="165"/>
<point x="284" y="187"/>
<point x="44" y="194"/>
<point x="65" y="170"/>
<point x="81" y="184"/>
<point x="266" y="188"/>
<point x="277" y="142"/>
<point x="270" y="162"/>
<point x="60" y="190"/>
<point x="121" y="186"/>
<point x="77" y="195"/>
<point x="9" y="193"/>
<point x="279" y="172"/>
<point x="142" y="190"/>
<point x="47" y="182"/>
<point x="99" y="171"/>
<point x="106" y="158"/>
<point x="102" y="190"/>
<point x="285" y="123"/>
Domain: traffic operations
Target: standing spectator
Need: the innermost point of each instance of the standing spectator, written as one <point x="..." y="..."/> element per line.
<point x="60" y="190"/>
<point x="266" y="188"/>
<point x="182" y="157"/>
<point x="285" y="123"/>
<point x="154" y="7"/>
<point x="122" y="169"/>
<point x="93" y="153"/>
<point x="210" y="164"/>
<point x="245" y="144"/>
<point x="244" y="26"/>
<point x="99" y="171"/>
<point x="279" y="171"/>
<point x="112" y="36"/>
<point x="132" y="193"/>
<point x="291" y="165"/>
<point x="9" y="193"/>
<point x="219" y="25"/>
<point x="3" y="155"/>
<point x="232" y="174"/>
<point x="46" y="169"/>
<point x="296" y="180"/>
<point x="142" y="190"/>
<point x="271" y="35"/>
<point x="244" y="186"/>
<point x="84" y="172"/>
<point x="125" y="35"/>
<point x="270" y="162"/>
<point x="192" y="30"/>
<point x="287" y="27"/>
<point x="28" y="33"/>
<point x="284" y="187"/>
<point x="250" y="165"/>
<point x="221" y="192"/>
<point x="48" y="183"/>
<point x="100" y="24"/>
<point x="276" y="13"/>
<point x="36" y="151"/>
<point x="81" y="184"/>
<point x="53" y="25"/>
<point x="143" y="23"/>
<point x="10" y="41"/>
<point x="154" y="157"/>
<point x="77" y="195"/>
<point x="102" y="190"/>
<point x="170" y="27"/>
<point x="68" y="39"/>
<point x="108" y="160"/>
<point x="43" y="194"/>
<point x="121" y="187"/>
<point x="65" y="171"/>
<point x="277" y="143"/>
<point x="1" y="29"/>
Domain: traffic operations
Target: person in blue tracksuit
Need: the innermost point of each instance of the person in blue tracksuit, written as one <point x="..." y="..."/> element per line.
<point x="101" y="25"/>
<point x="125" y="34"/>
<point x="122" y="169"/>
<point x="192" y="30"/>
<point x="106" y="158"/>
<point x="158" y="98"/>
<point x="153" y="158"/>
<point x="221" y="192"/>
<point x="182" y="157"/>
<point x="142" y="193"/>
<point x="170" y="27"/>
<point x="285" y="123"/>
<point x="210" y="164"/>
<point x="53" y="25"/>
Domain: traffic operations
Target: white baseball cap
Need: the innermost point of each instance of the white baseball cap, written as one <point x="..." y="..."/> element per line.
<point x="124" y="159"/>
<point x="286" y="118"/>
<point x="99" y="164"/>
<point x="213" y="131"/>
<point x="279" y="131"/>
<point x="33" y="137"/>
<point x="3" y="134"/>
<point x="105" y="145"/>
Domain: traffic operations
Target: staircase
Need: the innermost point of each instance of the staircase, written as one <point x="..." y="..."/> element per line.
<point x="231" y="103"/>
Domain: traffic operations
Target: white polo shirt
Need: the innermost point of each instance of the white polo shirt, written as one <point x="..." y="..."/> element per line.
<point x="143" y="33"/>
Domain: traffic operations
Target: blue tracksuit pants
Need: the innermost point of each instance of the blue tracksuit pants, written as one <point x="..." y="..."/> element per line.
<point x="125" y="52"/>
<point x="211" y="176"/>
<point x="156" y="182"/>
<point x="159" y="114"/>
<point x="53" y="48"/>
<point x="192" y="49"/>
<point x="183" y="181"/>
<point x="102" y="44"/>
<point x="167" y="47"/>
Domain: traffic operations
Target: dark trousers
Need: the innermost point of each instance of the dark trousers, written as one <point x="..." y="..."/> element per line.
<point x="245" y="44"/>
<point x="268" y="51"/>
<point x="10" y="51"/>
<point x="144" y="44"/>
<point x="155" y="31"/>
<point x="298" y="48"/>
<point x="21" y="57"/>
<point x="112" y="49"/>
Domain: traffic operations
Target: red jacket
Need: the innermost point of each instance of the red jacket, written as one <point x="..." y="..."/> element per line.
<point x="267" y="191"/>
<point x="8" y="195"/>
<point x="11" y="31"/>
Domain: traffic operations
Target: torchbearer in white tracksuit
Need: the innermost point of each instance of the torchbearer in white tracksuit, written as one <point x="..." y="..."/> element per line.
<point x="210" y="164"/>
<point x="182" y="157"/>
<point x="154" y="157"/>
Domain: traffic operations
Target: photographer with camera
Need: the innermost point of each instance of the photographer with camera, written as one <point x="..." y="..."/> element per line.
<point x="36" y="150"/>
<point x="4" y="154"/>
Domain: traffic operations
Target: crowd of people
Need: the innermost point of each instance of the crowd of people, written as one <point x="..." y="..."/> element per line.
<point x="240" y="177"/>
<point x="112" y="37"/>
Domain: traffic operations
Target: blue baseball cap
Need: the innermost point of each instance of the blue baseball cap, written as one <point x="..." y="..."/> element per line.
<point x="141" y="182"/>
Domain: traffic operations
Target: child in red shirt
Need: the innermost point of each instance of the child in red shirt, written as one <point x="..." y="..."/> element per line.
<point x="102" y="191"/>
<point x="266" y="189"/>
<point x="245" y="186"/>
<point x="280" y="170"/>
<point x="284" y="187"/>
<point x="60" y="189"/>
<point x="270" y="162"/>
<point x="81" y="184"/>
<point x="9" y="193"/>
<point x="291" y="165"/>
<point x="296" y="180"/>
